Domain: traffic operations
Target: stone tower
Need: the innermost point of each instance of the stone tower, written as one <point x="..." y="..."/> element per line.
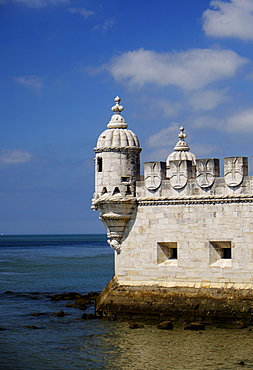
<point x="117" y="168"/>
<point x="183" y="232"/>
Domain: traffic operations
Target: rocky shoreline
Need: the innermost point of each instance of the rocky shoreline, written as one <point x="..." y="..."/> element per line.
<point x="87" y="302"/>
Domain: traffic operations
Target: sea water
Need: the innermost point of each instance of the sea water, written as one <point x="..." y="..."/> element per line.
<point x="33" y="267"/>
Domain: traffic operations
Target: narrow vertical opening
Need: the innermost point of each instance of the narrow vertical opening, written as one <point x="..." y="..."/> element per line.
<point x="226" y="253"/>
<point x="99" y="164"/>
<point x="174" y="253"/>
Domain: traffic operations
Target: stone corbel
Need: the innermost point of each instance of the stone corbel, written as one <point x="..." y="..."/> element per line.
<point x="114" y="244"/>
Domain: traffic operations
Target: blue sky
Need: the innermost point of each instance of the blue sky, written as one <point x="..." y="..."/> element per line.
<point x="173" y="63"/>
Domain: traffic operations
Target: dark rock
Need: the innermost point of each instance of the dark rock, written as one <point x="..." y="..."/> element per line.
<point x="32" y="327"/>
<point x="82" y="303"/>
<point x="92" y="295"/>
<point x="235" y="325"/>
<point x="59" y="314"/>
<point x="78" y="298"/>
<point x="65" y="296"/>
<point x="195" y="326"/>
<point x="165" y="325"/>
<point x="8" y="292"/>
<point x="241" y="363"/>
<point x="135" y="325"/>
<point x="38" y="314"/>
<point x="89" y="316"/>
<point x="70" y="305"/>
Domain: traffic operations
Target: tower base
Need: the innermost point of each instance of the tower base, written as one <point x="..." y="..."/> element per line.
<point x="154" y="303"/>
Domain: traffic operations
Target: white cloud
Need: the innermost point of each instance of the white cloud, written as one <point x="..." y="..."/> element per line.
<point x="205" y="121"/>
<point x="202" y="150"/>
<point x="165" y="137"/>
<point x="8" y="156"/>
<point x="229" y="19"/>
<point x="240" y="122"/>
<point x="168" y="108"/>
<point x="191" y="69"/>
<point x="35" y="3"/>
<point x="148" y="107"/>
<point x="207" y="100"/>
<point x="85" y="13"/>
<point x="106" y="25"/>
<point x="33" y="82"/>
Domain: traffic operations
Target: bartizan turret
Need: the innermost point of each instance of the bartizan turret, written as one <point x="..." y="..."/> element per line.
<point x="117" y="168"/>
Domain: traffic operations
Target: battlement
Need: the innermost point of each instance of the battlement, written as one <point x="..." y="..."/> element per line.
<point x="183" y="179"/>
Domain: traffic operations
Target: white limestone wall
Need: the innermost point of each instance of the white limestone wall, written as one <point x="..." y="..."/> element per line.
<point x="119" y="169"/>
<point x="192" y="226"/>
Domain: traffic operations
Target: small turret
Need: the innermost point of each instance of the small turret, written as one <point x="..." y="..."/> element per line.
<point x="117" y="157"/>
<point x="181" y="150"/>
<point x="117" y="168"/>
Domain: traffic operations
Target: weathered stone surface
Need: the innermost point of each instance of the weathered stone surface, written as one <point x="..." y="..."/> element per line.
<point x="190" y="304"/>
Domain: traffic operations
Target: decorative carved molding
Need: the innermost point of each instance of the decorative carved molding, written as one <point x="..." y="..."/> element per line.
<point x="194" y="200"/>
<point x="125" y="149"/>
<point x="115" y="214"/>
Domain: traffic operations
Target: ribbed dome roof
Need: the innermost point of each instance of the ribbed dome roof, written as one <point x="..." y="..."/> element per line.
<point x="180" y="156"/>
<point x="117" y="135"/>
<point x="117" y="138"/>
<point x="181" y="150"/>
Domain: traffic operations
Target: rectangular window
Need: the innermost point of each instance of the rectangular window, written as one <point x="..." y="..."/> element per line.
<point x="166" y="251"/>
<point x="125" y="179"/>
<point x="219" y="252"/>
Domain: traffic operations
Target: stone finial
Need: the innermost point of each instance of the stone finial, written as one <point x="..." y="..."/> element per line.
<point x="117" y="121"/>
<point x="181" y="144"/>
<point x="117" y="108"/>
